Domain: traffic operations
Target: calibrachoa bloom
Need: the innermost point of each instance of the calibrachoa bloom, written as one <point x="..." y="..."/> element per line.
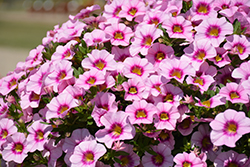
<point x="87" y="153"/>
<point x="117" y="127"/>
<point x="228" y="127"/>
<point x="163" y="157"/>
<point x="187" y="160"/>
<point x="7" y="128"/>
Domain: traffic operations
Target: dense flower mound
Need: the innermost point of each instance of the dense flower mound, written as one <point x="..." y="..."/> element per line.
<point x="142" y="83"/>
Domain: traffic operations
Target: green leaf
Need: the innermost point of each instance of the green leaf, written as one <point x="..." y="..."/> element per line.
<point x="121" y="153"/>
<point x="151" y="151"/>
<point x="237" y="27"/>
<point x="117" y="160"/>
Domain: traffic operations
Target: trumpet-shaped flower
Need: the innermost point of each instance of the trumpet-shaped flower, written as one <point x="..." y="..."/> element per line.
<point x="202" y="9"/>
<point x="228" y="127"/>
<point x="166" y="137"/>
<point x="242" y="72"/>
<point x="101" y="60"/>
<point x="7" y="128"/>
<point x="120" y="34"/>
<point x="112" y="11"/>
<point x="187" y="160"/>
<point x="163" y="157"/>
<point x="117" y="127"/>
<point x="64" y="52"/>
<point x="141" y="112"/>
<point x="15" y="148"/>
<point x="238" y="45"/>
<point x="95" y="37"/>
<point x="153" y="84"/>
<point x="178" y="27"/>
<point x="9" y="83"/>
<point x="235" y="93"/>
<point x="222" y="58"/>
<point x="214" y="29"/>
<point x="166" y="116"/>
<point x="86" y="154"/>
<point x="145" y="35"/>
<point x="60" y="105"/>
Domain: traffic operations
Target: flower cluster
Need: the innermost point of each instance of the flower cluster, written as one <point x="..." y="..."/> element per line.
<point x="143" y="83"/>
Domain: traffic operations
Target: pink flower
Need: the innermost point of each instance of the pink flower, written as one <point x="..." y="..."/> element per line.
<point x="202" y="9"/>
<point x="132" y="9"/>
<point x="117" y="127"/>
<point x="214" y="29"/>
<point x="155" y="17"/>
<point x="163" y="157"/>
<point x="35" y="57"/>
<point x="212" y="102"/>
<point x="87" y="153"/>
<point x="238" y="45"/>
<point x="184" y="159"/>
<point x="64" y="52"/>
<point x="141" y="112"/>
<point x="230" y="158"/>
<point x="60" y="105"/>
<point x="112" y="11"/>
<point x="167" y="116"/>
<point x="242" y="72"/>
<point x="145" y="35"/>
<point x="178" y="27"/>
<point x="186" y="126"/>
<point x="9" y="83"/>
<point x="101" y="60"/>
<point x="154" y="83"/>
<point x="222" y="58"/>
<point x="85" y="12"/>
<point x="120" y="34"/>
<point x="16" y="148"/>
<point x="95" y="37"/>
<point x="7" y="128"/>
<point x="228" y="127"/>
<point x="176" y="68"/>
<point x="90" y="78"/>
<point x="235" y="93"/>
<point x="135" y="66"/>
<point x="38" y="135"/>
<point x="166" y="137"/>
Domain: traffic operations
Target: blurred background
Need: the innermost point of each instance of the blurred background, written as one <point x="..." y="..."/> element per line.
<point x="23" y="24"/>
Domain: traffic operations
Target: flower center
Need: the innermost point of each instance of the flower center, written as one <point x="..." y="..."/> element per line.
<point x="185" y="124"/>
<point x="34" y="97"/>
<point x="199" y="81"/>
<point x="118" y="35"/>
<point x="168" y="98"/>
<point x="224" y="6"/>
<point x="240" y="48"/>
<point x="88" y="157"/>
<point x="177" y="28"/>
<point x="218" y="58"/>
<point x="147" y="41"/>
<point x="164" y="116"/>
<point x="231" y="127"/>
<point x="202" y="8"/>
<point x="125" y="161"/>
<point x="206" y="103"/>
<point x="163" y="136"/>
<point x="4" y="134"/>
<point x="18" y="147"/>
<point x="39" y="135"/>
<point x="157" y="87"/>
<point x="117" y="11"/>
<point x="12" y="83"/>
<point x="141" y="114"/>
<point x="132" y="11"/>
<point x="234" y="95"/>
<point x="186" y="164"/>
<point x="100" y="64"/>
<point x="213" y="31"/>
<point x="63" y="108"/>
<point x="154" y="21"/>
<point x="159" y="56"/>
<point x="158" y="159"/>
<point x="232" y="164"/>
<point x="91" y="80"/>
<point x="176" y="73"/>
<point x="206" y="143"/>
<point x="200" y="55"/>
<point x="132" y="90"/>
<point x="116" y="130"/>
<point x="62" y="75"/>
<point x="137" y="70"/>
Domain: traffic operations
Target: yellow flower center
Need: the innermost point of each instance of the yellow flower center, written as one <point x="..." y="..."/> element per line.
<point x="18" y="148"/>
<point x="12" y="83"/>
<point x="206" y="142"/>
<point x="157" y="87"/>
<point x="132" y="90"/>
<point x="240" y="48"/>
<point x="177" y="28"/>
<point x="91" y="80"/>
<point x="4" y="134"/>
<point x="63" y="108"/>
<point x="34" y="97"/>
<point x="231" y="127"/>
<point x="214" y="31"/>
<point x="62" y="75"/>
<point x="141" y="114"/>
<point x="118" y="35"/>
<point x="206" y="103"/>
<point x="39" y="135"/>
<point x="158" y="159"/>
<point x="117" y="11"/>
<point x="154" y="21"/>
<point x="218" y="58"/>
<point x="164" y="136"/>
<point x="160" y="56"/>
<point x="125" y="161"/>
<point x="185" y="124"/>
<point x="100" y="64"/>
<point x="176" y="73"/>
<point x="148" y="40"/>
<point x="132" y="11"/>
<point x="199" y="81"/>
<point x="164" y="116"/>
<point x="169" y="98"/>
<point x="89" y="157"/>
<point x="224" y="6"/>
<point x="202" y="8"/>
<point x="186" y="164"/>
<point x="234" y="95"/>
<point x="174" y="14"/>
<point x="200" y="55"/>
<point x="137" y="70"/>
<point x="117" y="130"/>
